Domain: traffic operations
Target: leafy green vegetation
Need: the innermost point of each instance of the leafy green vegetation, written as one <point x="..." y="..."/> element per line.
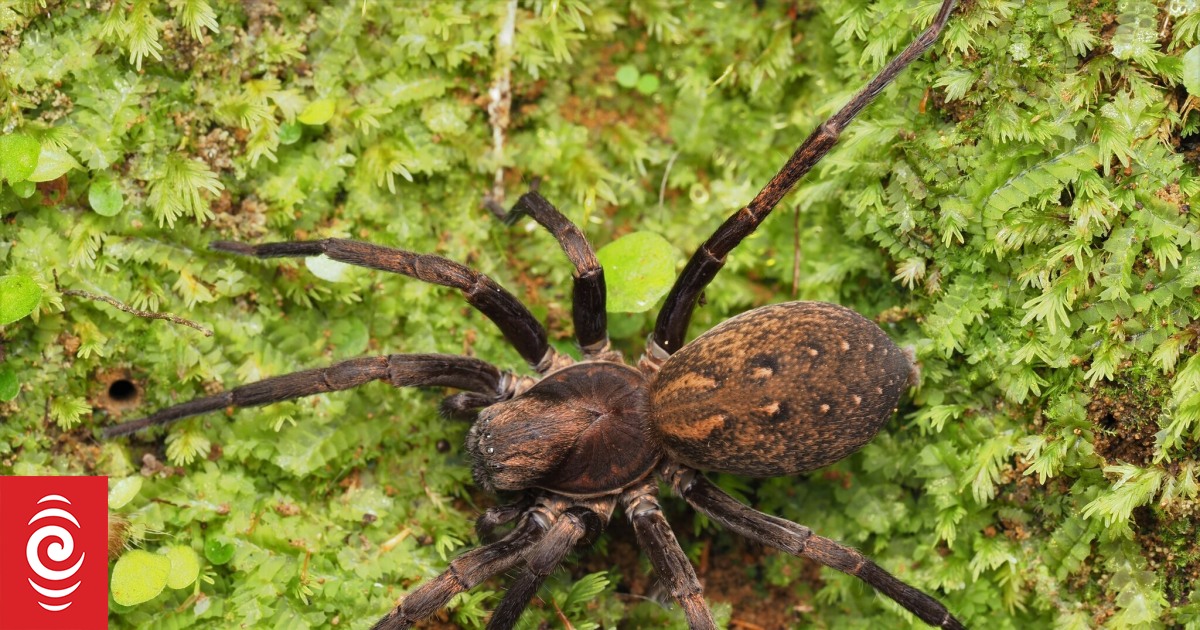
<point x="1020" y="208"/>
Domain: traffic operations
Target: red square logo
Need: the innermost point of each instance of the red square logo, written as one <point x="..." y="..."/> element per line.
<point x="53" y="553"/>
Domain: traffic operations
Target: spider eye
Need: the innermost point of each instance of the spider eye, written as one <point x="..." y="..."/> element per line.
<point x="490" y="450"/>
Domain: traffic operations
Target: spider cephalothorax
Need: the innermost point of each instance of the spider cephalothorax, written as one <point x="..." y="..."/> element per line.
<point x="578" y="432"/>
<point x="779" y="390"/>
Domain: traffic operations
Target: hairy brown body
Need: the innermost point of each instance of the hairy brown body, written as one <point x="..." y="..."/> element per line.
<point x="779" y="390"/>
<point x="580" y="431"/>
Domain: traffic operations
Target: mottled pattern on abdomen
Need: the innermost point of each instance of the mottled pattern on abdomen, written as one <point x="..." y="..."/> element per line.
<point x="778" y="390"/>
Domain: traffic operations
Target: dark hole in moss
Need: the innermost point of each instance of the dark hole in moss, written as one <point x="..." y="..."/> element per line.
<point x="122" y="389"/>
<point x="1067" y="197"/>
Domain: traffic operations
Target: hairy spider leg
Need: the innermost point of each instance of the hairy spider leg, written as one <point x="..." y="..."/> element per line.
<point x="465" y="405"/>
<point x="799" y="540"/>
<point x="576" y="524"/>
<point x="500" y="515"/>
<point x="518" y="325"/>
<point x="671" y="326"/>
<point x="401" y="370"/>
<point x="467" y="571"/>
<point x="588" y="310"/>
<point x="655" y="537"/>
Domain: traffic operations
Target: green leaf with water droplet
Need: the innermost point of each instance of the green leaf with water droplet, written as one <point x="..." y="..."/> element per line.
<point x="52" y="163"/>
<point x="18" y="157"/>
<point x="104" y="196"/>
<point x="317" y="112"/>
<point x="185" y="566"/>
<point x="638" y="269"/>
<point x="217" y="551"/>
<point x="139" y="576"/>
<point x="123" y="491"/>
<point x="19" y="295"/>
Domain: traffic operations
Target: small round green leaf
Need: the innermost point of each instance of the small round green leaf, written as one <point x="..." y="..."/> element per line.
<point x="218" y="551"/>
<point x="139" y="576"/>
<point x="104" y="196"/>
<point x="627" y="76"/>
<point x="9" y="386"/>
<point x="18" y="157"/>
<point x="123" y="491"/>
<point x="639" y="269"/>
<point x="185" y="566"/>
<point x="1191" y="71"/>
<point x="24" y="189"/>
<point x="19" y="295"/>
<point x="326" y="268"/>
<point x="648" y="84"/>
<point x="52" y="164"/>
<point x="317" y="112"/>
<point x="289" y="133"/>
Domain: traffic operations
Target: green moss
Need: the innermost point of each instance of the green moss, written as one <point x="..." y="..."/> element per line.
<point x="1178" y="541"/>
<point x="1020" y="208"/>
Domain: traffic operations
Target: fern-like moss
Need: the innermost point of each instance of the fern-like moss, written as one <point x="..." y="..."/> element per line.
<point x="1020" y="208"/>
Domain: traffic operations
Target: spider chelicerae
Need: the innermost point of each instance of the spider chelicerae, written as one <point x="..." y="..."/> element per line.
<point x="779" y="390"/>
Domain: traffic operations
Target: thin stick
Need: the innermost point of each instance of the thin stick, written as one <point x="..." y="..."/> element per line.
<point x="562" y="618"/>
<point x="129" y="309"/>
<point x="501" y="97"/>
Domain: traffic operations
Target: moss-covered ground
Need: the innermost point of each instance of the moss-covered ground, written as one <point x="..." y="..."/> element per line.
<point x="1019" y="208"/>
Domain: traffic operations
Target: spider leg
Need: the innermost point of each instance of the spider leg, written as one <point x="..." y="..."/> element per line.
<point x="515" y="321"/>
<point x="799" y="540"/>
<point x="589" y="294"/>
<point x="671" y="325"/>
<point x="572" y="526"/>
<point x="501" y="515"/>
<point x="655" y="537"/>
<point x="465" y="405"/>
<point x="468" y="570"/>
<point x="401" y="370"/>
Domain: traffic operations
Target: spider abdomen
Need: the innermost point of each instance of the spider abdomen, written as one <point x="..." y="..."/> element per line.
<point x="779" y="390"/>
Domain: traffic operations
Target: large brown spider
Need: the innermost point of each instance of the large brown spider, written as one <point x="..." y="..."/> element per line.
<point x="779" y="390"/>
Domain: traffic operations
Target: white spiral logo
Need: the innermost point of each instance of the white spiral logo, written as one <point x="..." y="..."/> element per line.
<point x="60" y="550"/>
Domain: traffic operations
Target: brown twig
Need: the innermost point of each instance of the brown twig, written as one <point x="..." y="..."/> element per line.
<point x="129" y="309"/>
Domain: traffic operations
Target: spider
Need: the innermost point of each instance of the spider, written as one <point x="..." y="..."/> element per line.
<point x="779" y="390"/>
